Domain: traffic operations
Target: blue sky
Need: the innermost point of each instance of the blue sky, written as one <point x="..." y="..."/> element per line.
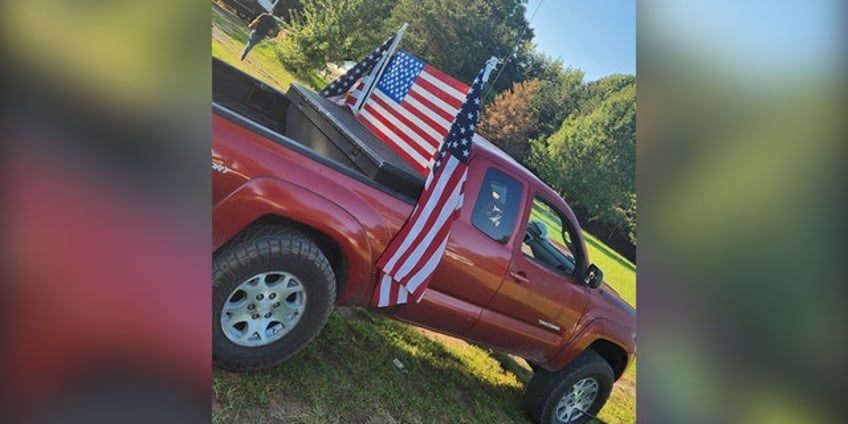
<point x="597" y="36"/>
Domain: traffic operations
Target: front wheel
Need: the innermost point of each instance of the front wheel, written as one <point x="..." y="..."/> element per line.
<point x="272" y="293"/>
<point x="572" y="394"/>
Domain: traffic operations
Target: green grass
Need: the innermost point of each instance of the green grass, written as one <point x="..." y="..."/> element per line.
<point x="618" y="271"/>
<point x="318" y="82"/>
<point x="347" y="376"/>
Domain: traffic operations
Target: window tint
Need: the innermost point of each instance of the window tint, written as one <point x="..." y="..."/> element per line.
<point x="497" y="205"/>
<point x="546" y="240"/>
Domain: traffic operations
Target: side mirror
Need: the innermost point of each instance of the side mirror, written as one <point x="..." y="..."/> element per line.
<point x="593" y="276"/>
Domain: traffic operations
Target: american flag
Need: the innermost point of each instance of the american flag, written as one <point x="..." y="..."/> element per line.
<point x="408" y="262"/>
<point x="339" y="91"/>
<point x="412" y="108"/>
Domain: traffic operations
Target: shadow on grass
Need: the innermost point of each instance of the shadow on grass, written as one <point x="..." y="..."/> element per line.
<point x="509" y="364"/>
<point x="347" y="375"/>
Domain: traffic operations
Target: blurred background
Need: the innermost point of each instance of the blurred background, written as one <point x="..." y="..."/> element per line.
<point x="741" y="182"/>
<point x="741" y="144"/>
<point x="105" y="308"/>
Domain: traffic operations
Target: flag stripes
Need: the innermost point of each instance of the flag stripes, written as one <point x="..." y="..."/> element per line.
<point x="385" y="122"/>
<point x="438" y="89"/>
<point x="427" y="235"/>
<point x="412" y="109"/>
<point x="451" y="85"/>
<point x="411" y="258"/>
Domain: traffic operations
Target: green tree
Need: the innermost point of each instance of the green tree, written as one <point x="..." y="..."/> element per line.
<point x="334" y="31"/>
<point x="591" y="160"/>
<point x="559" y="96"/>
<point x="600" y="90"/>
<point x="510" y="119"/>
<point x="286" y="9"/>
<point x="457" y="36"/>
<point x="537" y="65"/>
<point x="533" y="109"/>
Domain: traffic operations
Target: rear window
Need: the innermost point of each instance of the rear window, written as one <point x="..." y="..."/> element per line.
<point x="497" y="205"/>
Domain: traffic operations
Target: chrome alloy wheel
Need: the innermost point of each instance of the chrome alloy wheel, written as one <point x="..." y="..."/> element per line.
<point x="263" y="308"/>
<point x="578" y="399"/>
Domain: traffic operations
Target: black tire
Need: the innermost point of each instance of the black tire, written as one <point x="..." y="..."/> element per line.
<point x="546" y="389"/>
<point x="271" y="250"/>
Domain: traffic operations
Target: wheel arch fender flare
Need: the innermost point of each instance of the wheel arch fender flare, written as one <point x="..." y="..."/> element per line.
<point x="614" y="342"/>
<point x="264" y="196"/>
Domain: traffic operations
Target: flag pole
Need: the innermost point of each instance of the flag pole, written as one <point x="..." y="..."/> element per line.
<point x="374" y="76"/>
<point x="490" y="64"/>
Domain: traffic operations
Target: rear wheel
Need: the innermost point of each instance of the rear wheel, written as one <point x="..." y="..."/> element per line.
<point x="572" y="394"/>
<point x="272" y="293"/>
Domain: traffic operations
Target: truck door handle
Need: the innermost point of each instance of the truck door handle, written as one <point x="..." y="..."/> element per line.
<point x="519" y="276"/>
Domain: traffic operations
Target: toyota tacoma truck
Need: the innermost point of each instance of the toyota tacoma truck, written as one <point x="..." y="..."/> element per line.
<point x="305" y="199"/>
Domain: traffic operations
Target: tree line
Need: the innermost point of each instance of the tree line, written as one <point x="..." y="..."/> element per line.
<point x="578" y="136"/>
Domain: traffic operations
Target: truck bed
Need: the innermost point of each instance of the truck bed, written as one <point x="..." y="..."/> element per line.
<point x="322" y="127"/>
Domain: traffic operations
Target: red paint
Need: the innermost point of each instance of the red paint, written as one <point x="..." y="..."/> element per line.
<point x="103" y="285"/>
<point x="471" y="294"/>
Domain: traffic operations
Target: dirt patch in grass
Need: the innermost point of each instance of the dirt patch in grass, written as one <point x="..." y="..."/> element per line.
<point x="287" y="408"/>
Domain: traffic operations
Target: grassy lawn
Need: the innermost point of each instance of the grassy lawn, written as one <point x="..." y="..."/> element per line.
<point x="348" y="375"/>
<point x="618" y="271"/>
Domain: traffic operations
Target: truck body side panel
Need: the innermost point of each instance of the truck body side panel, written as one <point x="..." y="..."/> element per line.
<point x="472" y="269"/>
<point x="266" y="196"/>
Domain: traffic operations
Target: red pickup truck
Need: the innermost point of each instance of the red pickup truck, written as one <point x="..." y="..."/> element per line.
<point x="305" y="199"/>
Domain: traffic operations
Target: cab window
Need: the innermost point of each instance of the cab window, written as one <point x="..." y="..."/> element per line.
<point x="547" y="240"/>
<point x="497" y="205"/>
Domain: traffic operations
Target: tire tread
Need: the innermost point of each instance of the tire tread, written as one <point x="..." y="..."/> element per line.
<point x="259" y="248"/>
<point x="544" y="389"/>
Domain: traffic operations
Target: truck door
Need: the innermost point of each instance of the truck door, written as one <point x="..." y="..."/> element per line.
<point x="477" y="255"/>
<point x="541" y="298"/>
